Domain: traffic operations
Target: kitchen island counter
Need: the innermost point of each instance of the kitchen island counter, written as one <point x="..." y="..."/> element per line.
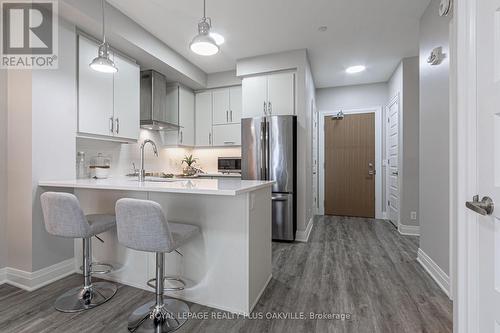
<point x="227" y="266"/>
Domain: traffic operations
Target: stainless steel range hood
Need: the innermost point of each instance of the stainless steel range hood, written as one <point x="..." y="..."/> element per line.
<point x="155" y="114"/>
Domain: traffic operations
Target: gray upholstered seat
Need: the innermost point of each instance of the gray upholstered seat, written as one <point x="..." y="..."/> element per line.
<point x="141" y="225"/>
<point x="64" y="217"/>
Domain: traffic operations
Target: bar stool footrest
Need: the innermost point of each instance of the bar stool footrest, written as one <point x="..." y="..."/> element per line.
<point x="106" y="268"/>
<point x="152" y="283"/>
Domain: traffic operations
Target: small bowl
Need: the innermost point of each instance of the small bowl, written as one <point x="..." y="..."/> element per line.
<point x="101" y="173"/>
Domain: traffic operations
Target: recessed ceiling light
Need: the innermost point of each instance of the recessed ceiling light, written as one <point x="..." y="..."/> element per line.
<point x="219" y="39"/>
<point x="355" y="69"/>
<point x="323" y="28"/>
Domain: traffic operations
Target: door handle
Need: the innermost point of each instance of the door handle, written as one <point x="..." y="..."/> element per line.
<point x="483" y="207"/>
<point x="279" y="199"/>
<point x="371" y="169"/>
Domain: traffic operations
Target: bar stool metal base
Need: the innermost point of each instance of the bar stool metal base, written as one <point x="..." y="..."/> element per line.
<point x="175" y="315"/>
<point x="81" y="298"/>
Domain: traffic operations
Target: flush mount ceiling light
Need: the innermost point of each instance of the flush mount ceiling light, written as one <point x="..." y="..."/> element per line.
<point x="203" y="43"/>
<point x="355" y="69"/>
<point x="103" y="62"/>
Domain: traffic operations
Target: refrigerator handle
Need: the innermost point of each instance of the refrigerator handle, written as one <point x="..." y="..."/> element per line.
<point x="266" y="158"/>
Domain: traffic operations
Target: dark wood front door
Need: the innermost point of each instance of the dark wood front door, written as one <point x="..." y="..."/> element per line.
<point x="350" y="165"/>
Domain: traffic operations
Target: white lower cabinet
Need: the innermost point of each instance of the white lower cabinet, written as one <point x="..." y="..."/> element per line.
<point x="227" y="135"/>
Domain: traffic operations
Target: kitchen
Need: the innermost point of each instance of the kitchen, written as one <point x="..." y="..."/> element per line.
<point x="132" y="130"/>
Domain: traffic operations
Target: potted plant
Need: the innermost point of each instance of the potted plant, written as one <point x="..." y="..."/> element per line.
<point x="189" y="169"/>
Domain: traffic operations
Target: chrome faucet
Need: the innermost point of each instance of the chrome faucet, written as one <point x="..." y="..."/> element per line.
<point x="142" y="172"/>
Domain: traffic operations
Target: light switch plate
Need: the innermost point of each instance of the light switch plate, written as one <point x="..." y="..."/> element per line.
<point x="413" y="215"/>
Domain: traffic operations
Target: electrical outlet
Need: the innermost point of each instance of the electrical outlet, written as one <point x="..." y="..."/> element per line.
<point x="413" y="215"/>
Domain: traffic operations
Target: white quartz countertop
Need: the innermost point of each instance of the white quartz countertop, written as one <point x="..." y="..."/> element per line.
<point x="226" y="186"/>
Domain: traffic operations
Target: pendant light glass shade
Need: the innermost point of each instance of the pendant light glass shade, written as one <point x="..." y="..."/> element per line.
<point x="103" y="63"/>
<point x="204" y="44"/>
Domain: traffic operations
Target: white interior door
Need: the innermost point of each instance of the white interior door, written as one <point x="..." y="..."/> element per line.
<point x="392" y="151"/>
<point x="488" y="162"/>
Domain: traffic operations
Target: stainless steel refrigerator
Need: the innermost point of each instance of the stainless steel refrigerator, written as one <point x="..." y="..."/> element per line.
<point x="269" y="152"/>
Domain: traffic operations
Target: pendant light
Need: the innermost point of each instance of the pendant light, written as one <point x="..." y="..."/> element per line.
<point x="203" y="43"/>
<point x="103" y="62"/>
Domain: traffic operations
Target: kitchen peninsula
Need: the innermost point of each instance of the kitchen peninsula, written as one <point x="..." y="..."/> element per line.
<point x="227" y="267"/>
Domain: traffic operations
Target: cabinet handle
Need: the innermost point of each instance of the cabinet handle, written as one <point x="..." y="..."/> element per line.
<point x="231" y="113"/>
<point x="111" y="124"/>
<point x="117" y="125"/>
<point x="270" y="108"/>
<point x="182" y="137"/>
<point x="229" y="142"/>
<point x="227" y="116"/>
<point x="265" y="109"/>
<point x="210" y="138"/>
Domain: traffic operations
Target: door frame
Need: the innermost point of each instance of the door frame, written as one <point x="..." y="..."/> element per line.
<point x="464" y="232"/>
<point x="378" y="154"/>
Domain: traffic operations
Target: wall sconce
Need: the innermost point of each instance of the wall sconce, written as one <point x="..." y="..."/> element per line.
<point x="437" y="56"/>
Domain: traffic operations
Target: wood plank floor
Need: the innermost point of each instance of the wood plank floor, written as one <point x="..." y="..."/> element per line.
<point x="359" y="267"/>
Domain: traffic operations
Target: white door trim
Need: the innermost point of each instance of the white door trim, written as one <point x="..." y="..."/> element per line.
<point x="465" y="248"/>
<point x="378" y="155"/>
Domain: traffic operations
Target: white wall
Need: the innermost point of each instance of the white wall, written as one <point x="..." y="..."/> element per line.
<point x="3" y="168"/>
<point x="19" y="190"/>
<point x="222" y="79"/>
<point x="434" y="140"/>
<point x="53" y="141"/>
<point x="352" y="97"/>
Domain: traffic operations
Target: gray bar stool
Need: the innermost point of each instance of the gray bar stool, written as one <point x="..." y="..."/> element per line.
<point x="64" y="217"/>
<point x="142" y="226"/>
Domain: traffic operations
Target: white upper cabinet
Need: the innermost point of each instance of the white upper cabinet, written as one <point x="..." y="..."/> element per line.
<point x="227" y="135"/>
<point x="235" y="104"/>
<point x="221" y="106"/>
<point x="203" y="115"/>
<point x="108" y="104"/>
<point x="227" y="105"/>
<point x="186" y="117"/>
<point x="281" y="94"/>
<point x="269" y="95"/>
<point x="95" y="93"/>
<point x="254" y="96"/>
<point x="126" y="99"/>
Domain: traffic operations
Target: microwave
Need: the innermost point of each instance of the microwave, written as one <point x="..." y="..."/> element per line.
<point x="229" y="164"/>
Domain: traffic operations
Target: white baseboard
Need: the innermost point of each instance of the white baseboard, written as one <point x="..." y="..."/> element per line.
<point x="30" y="281"/>
<point x="3" y="275"/>
<point x="303" y="235"/>
<point x="409" y="230"/>
<point x="441" y="278"/>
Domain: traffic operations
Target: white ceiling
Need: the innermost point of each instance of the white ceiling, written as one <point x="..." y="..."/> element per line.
<point x="376" y="33"/>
